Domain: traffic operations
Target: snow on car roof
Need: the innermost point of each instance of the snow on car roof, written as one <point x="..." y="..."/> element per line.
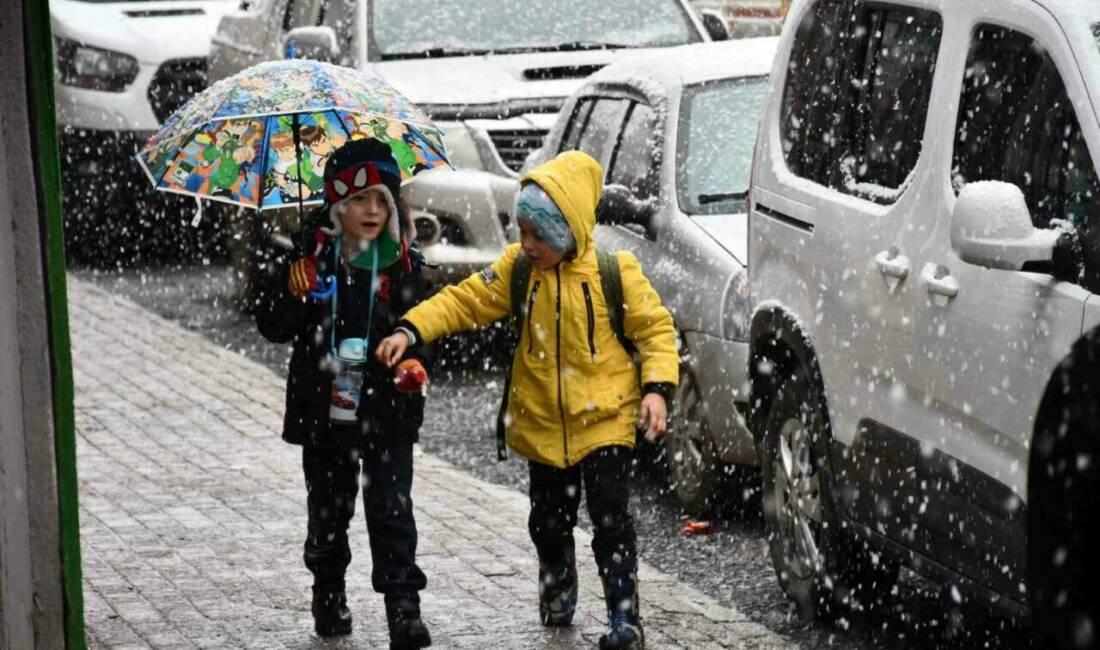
<point x="657" y="73"/>
<point x="1074" y="10"/>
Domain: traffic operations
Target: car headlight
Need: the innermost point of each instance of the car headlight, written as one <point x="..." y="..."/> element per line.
<point x="93" y="68"/>
<point x="735" y="309"/>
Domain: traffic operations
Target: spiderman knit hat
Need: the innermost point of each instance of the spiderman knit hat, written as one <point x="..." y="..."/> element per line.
<point x="361" y="165"/>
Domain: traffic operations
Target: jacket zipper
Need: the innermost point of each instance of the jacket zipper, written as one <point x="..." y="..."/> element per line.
<point x="530" y="307"/>
<point x="591" y="320"/>
<point x="561" y="403"/>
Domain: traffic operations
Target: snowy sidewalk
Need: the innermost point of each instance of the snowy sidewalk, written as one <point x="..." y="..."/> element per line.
<point x="193" y="516"/>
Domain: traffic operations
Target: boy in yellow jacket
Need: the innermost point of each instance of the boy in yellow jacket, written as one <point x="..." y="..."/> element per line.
<point x="575" y="394"/>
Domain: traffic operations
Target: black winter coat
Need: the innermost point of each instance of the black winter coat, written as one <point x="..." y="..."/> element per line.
<point x="384" y="410"/>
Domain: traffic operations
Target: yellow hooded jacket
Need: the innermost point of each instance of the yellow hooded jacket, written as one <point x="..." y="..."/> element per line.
<point x="574" y="388"/>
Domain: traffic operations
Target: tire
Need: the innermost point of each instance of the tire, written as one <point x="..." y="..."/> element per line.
<point x="694" y="470"/>
<point x="1063" y="562"/>
<point x="822" y="567"/>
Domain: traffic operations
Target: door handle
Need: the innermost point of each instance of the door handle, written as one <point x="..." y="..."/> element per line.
<point x="893" y="264"/>
<point x="939" y="281"/>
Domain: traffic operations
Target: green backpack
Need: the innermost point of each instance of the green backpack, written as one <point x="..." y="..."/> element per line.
<point x="612" y="284"/>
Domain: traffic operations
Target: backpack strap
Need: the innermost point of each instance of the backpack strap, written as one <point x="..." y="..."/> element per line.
<point x="521" y="277"/>
<point x="612" y="284"/>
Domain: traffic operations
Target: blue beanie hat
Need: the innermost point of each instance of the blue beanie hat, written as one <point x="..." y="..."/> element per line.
<point x="535" y="206"/>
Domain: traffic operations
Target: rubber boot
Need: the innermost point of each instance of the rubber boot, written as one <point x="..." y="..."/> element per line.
<point x="558" y="593"/>
<point x="624" y="623"/>
<point x="331" y="616"/>
<point x="407" y="631"/>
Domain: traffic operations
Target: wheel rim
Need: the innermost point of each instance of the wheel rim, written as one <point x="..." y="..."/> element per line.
<point x="687" y="438"/>
<point x="797" y="489"/>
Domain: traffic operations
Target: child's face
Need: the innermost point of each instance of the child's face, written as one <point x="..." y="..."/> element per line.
<point x="543" y="257"/>
<point x="365" y="215"/>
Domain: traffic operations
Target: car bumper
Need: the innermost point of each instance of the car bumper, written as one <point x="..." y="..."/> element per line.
<point x="721" y="368"/>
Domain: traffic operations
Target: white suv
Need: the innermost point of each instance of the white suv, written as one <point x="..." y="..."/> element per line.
<point x="924" y="250"/>
<point x="122" y="67"/>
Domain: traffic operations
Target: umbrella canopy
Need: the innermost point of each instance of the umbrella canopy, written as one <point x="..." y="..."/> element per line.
<point x="261" y="138"/>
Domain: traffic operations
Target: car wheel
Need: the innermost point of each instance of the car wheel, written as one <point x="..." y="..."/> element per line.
<point x="821" y="567"/>
<point x="1064" y="496"/>
<point x="693" y="465"/>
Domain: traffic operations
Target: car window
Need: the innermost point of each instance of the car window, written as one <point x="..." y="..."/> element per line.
<point x="576" y="124"/>
<point x="858" y="87"/>
<point x="300" y="13"/>
<point x="340" y="16"/>
<point x="718" y="124"/>
<point x="415" y="28"/>
<point x="636" y="160"/>
<point x="600" y="129"/>
<point x="1016" y="124"/>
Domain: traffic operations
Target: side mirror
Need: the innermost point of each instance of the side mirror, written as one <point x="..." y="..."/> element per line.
<point x="992" y="227"/>
<point x="314" y="43"/>
<point x="618" y="206"/>
<point x="715" y="25"/>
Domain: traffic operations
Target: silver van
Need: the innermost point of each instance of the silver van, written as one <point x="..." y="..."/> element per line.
<point x="924" y="251"/>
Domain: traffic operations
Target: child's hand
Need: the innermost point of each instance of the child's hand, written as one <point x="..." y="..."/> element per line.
<point x="653" y="416"/>
<point x="392" y="348"/>
<point x="303" y="278"/>
<point x="410" y="376"/>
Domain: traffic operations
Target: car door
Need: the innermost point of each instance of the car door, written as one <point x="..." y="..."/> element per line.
<point x="989" y="339"/>
<point x="849" y="212"/>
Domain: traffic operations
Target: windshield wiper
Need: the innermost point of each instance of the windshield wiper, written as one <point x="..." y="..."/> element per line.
<point x="574" y="46"/>
<point x="717" y="197"/>
<point x="433" y="53"/>
<point x="580" y="46"/>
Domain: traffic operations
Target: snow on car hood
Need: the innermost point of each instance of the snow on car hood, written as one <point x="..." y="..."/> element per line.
<point x="151" y="32"/>
<point x="731" y="231"/>
<point x="488" y="79"/>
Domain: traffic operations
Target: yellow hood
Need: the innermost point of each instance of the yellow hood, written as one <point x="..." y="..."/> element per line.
<point x="575" y="181"/>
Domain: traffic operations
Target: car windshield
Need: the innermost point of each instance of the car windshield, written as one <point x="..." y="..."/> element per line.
<point x="718" y="122"/>
<point x="419" y="28"/>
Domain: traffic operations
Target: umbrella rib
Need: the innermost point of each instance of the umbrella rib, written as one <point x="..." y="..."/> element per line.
<point x="266" y="139"/>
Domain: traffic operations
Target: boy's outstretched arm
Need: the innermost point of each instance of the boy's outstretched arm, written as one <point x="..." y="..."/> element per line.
<point x="477" y="301"/>
<point x="648" y="324"/>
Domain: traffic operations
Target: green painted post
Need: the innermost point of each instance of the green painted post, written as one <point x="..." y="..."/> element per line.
<point x="47" y="169"/>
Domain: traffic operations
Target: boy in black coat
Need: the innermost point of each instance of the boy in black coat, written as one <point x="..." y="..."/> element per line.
<point x="351" y="414"/>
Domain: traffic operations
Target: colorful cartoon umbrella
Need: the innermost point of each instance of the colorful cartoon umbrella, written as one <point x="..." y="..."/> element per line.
<point x="261" y="138"/>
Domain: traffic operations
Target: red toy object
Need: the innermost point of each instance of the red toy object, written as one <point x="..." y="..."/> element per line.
<point x="692" y="527"/>
<point x="410" y="376"/>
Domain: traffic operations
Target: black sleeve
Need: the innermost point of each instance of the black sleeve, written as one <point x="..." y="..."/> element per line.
<point x="279" y="315"/>
<point x="414" y="290"/>
<point x="664" y="389"/>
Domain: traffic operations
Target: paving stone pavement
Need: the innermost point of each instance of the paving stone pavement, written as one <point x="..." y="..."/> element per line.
<point x="193" y="516"/>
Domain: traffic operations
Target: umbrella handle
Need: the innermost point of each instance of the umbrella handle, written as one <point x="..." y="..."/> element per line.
<point x="327" y="287"/>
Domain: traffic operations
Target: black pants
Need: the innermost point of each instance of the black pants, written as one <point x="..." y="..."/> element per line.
<point x="556" y="495"/>
<point x="332" y="482"/>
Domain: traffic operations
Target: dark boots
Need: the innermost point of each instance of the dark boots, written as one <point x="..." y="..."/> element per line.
<point x="331" y="616"/>
<point x="625" y="625"/>
<point x="407" y="631"/>
<point x="558" y="593"/>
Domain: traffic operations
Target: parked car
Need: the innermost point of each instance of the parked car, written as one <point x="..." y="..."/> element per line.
<point x="493" y="77"/>
<point x="924" y="251"/>
<point x="121" y="68"/>
<point x="678" y="130"/>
